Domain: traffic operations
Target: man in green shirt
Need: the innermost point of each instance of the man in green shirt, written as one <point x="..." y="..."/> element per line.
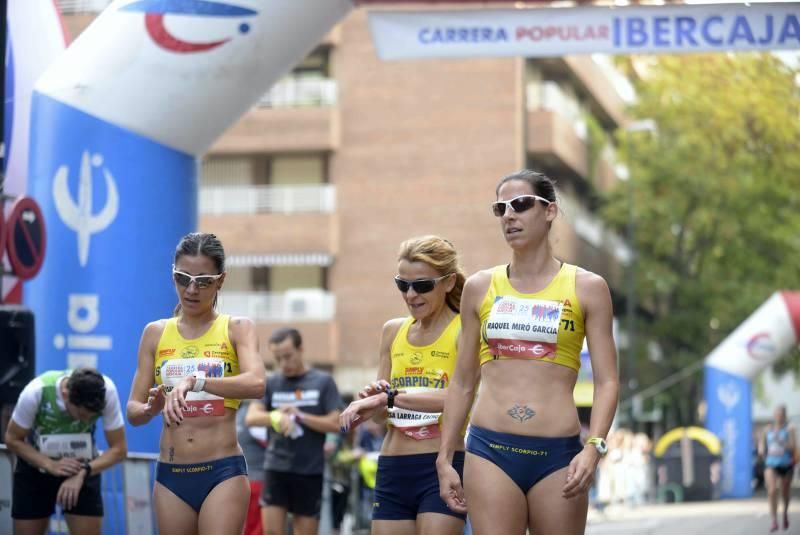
<point x="52" y="434"/>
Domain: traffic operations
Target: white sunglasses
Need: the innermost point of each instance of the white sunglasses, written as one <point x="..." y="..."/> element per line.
<point x="519" y="204"/>
<point x="202" y="281"/>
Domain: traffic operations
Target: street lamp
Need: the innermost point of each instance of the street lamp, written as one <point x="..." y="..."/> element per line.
<point x="643" y="125"/>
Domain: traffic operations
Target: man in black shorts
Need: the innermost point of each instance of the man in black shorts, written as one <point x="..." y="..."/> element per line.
<point x="52" y="434"/>
<point x="300" y="405"/>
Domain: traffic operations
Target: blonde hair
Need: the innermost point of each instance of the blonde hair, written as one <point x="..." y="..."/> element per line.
<point x="440" y="254"/>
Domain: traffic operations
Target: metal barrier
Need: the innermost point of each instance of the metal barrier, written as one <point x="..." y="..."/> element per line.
<point x="128" y="499"/>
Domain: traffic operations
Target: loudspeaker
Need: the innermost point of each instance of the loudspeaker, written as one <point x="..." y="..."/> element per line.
<point x="17" y="351"/>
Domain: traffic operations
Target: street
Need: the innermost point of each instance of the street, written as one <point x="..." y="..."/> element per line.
<point x="728" y="517"/>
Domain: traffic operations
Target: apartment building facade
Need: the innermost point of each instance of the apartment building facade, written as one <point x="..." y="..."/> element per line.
<point x="314" y="189"/>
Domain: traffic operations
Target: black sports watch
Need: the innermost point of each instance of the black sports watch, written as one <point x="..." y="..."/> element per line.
<point x="390" y="398"/>
<point x="88" y="467"/>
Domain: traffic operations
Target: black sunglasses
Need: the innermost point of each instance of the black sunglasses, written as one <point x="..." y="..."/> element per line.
<point x="421" y="286"/>
<point x="518" y="204"/>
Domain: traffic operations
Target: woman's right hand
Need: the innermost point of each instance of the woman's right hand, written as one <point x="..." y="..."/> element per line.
<point x="360" y="411"/>
<point x="156" y="398"/>
<point x="375" y="387"/>
<point x="450" y="489"/>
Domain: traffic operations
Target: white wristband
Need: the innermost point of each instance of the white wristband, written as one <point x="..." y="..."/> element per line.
<point x="199" y="381"/>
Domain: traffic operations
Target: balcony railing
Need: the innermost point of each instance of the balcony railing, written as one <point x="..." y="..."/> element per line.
<point x="215" y="200"/>
<point x="300" y="92"/>
<point x="548" y="95"/>
<point x="71" y="7"/>
<point x="293" y="305"/>
<point x="593" y="231"/>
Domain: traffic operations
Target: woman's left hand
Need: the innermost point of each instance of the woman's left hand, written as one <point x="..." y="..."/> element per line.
<point x="580" y="473"/>
<point x="176" y="401"/>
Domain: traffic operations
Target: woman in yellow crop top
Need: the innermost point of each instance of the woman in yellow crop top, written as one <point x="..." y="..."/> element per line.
<point x="523" y="327"/>
<point x="417" y="360"/>
<point x="202" y="363"/>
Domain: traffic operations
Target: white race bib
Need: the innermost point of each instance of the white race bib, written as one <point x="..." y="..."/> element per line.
<point x="73" y="445"/>
<point x="199" y="403"/>
<point x="416" y="424"/>
<point x="523" y="328"/>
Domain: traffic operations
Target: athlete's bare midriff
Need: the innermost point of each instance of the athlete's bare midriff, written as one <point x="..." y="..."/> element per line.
<point x="200" y="439"/>
<point x="527" y="397"/>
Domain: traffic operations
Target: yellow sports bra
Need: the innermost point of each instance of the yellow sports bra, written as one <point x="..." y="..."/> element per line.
<point x="176" y="357"/>
<point x="421" y="369"/>
<point x="546" y="325"/>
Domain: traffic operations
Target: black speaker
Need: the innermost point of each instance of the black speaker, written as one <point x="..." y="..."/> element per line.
<point x="17" y="350"/>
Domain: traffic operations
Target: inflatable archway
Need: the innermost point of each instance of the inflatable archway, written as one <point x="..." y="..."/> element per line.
<point x="770" y="333"/>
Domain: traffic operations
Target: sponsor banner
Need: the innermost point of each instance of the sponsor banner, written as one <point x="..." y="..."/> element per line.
<point x="35" y="39"/>
<point x="158" y="66"/>
<point x="116" y="205"/>
<point x="728" y="402"/>
<point x="544" y="32"/>
<point x="764" y="337"/>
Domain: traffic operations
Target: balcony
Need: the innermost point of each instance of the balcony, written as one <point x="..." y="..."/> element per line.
<point x="320" y="199"/>
<point x="606" y="102"/>
<point x="311" y="305"/>
<point x="295" y="115"/>
<point x="311" y="311"/>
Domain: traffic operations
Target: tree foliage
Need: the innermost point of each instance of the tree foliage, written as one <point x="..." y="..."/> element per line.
<point x="716" y="195"/>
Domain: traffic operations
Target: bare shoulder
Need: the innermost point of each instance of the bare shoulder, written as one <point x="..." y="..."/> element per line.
<point x="391" y="327"/>
<point x="241" y="322"/>
<point x="154" y="329"/>
<point x="479" y="282"/>
<point x="588" y="282"/>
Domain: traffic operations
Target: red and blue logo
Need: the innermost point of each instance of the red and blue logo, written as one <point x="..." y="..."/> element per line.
<point x="156" y="10"/>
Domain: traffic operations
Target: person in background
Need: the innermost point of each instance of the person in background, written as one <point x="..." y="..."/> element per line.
<point x="778" y="447"/>
<point x="300" y="406"/>
<point x="51" y="432"/>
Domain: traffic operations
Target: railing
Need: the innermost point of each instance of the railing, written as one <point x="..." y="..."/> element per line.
<point x="278" y="199"/>
<point x="73" y="7"/>
<point x="621" y="84"/>
<point x="295" y="92"/>
<point x="292" y="305"/>
<point x="547" y="95"/>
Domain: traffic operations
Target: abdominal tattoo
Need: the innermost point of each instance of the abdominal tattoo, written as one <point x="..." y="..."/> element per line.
<point x="171" y="454"/>
<point x="522" y="413"/>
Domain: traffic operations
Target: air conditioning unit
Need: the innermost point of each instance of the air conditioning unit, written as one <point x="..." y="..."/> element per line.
<point x="308" y="304"/>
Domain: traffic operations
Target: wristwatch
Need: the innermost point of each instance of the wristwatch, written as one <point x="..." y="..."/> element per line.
<point x="199" y="381"/>
<point x="390" y="398"/>
<point x="599" y="444"/>
<point x="88" y="467"/>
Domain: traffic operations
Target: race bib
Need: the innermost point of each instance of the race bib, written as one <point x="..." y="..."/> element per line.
<point x="72" y="445"/>
<point x="523" y="328"/>
<point x="416" y="424"/>
<point x="199" y="403"/>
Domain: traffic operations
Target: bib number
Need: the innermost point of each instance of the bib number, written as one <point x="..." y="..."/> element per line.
<point x="72" y="445"/>
<point x="198" y="403"/>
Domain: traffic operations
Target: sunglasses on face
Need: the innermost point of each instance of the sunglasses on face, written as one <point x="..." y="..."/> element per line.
<point x="202" y="281"/>
<point x="421" y="286"/>
<point x="518" y="204"/>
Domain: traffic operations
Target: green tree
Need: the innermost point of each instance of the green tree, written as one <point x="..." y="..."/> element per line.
<point x="716" y="204"/>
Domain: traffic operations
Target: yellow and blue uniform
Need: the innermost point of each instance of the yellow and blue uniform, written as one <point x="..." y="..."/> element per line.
<point x="175" y="358"/>
<point x="408" y="485"/>
<point x="546" y="326"/>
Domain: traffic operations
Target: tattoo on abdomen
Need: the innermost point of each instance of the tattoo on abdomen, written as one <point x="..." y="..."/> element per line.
<point x="521" y="413"/>
<point x="171" y="454"/>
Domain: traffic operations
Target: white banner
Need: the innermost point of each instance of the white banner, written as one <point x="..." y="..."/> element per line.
<point x="542" y="32"/>
<point x="767" y="335"/>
